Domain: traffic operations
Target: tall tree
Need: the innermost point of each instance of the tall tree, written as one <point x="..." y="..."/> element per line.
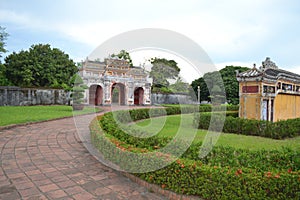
<point x="162" y="70"/>
<point x="204" y="93"/>
<point x="215" y="83"/>
<point x="3" y="38"/>
<point x="40" y="66"/>
<point x="230" y="82"/>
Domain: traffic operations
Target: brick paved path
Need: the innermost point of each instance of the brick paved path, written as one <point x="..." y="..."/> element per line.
<point x="48" y="161"/>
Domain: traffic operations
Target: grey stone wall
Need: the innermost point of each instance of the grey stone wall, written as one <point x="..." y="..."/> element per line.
<point x="157" y="98"/>
<point x="16" y="96"/>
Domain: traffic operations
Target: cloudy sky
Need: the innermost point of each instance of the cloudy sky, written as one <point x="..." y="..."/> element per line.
<point x="231" y="32"/>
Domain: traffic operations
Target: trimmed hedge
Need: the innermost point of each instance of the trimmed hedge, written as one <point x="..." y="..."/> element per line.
<point x="276" y="130"/>
<point x="226" y="173"/>
<point x="214" y="182"/>
<point x="261" y="160"/>
<point x="206" y="107"/>
<point x="113" y="123"/>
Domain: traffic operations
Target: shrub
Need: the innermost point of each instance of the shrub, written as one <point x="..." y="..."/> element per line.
<point x="214" y="182"/>
<point x="205" y="107"/>
<point x="261" y="160"/>
<point x="233" y="124"/>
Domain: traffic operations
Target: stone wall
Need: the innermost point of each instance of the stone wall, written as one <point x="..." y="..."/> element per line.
<point x="157" y="98"/>
<point x="16" y="96"/>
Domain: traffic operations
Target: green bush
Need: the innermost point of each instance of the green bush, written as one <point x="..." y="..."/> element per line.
<point x="261" y="160"/>
<point x="214" y="182"/>
<point x="233" y="124"/>
<point x="112" y="126"/>
<point x="204" y="107"/>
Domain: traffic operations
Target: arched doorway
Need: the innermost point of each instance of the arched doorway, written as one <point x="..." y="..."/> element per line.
<point x="118" y="94"/>
<point x="138" y="96"/>
<point x="95" y="95"/>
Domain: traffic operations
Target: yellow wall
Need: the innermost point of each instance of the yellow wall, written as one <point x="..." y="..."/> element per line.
<point x="286" y="107"/>
<point x="250" y="106"/>
<point x="250" y="103"/>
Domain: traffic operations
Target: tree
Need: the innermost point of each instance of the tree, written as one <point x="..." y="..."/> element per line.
<point x="78" y="92"/>
<point x="40" y="66"/>
<point x="213" y="84"/>
<point x="230" y="82"/>
<point x="179" y="86"/>
<point x="3" y="37"/>
<point x="123" y="55"/>
<point x="162" y="70"/>
<point x="204" y="93"/>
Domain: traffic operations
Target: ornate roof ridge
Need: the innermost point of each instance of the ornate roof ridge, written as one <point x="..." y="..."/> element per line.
<point x="276" y="73"/>
<point x="254" y="72"/>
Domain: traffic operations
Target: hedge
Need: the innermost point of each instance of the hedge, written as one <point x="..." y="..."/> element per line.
<point x="276" y="130"/>
<point x="214" y="182"/>
<point x="113" y="123"/>
<point x="206" y="107"/>
<point x="226" y="173"/>
<point x="261" y="160"/>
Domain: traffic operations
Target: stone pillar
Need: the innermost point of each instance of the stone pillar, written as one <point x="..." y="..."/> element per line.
<point x="87" y="96"/>
<point x="107" y="93"/>
<point x="269" y="109"/>
<point x="130" y="93"/>
<point x="147" y="94"/>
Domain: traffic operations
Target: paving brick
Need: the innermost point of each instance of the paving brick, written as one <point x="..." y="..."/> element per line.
<point x="48" y="161"/>
<point x="66" y="183"/>
<point x="36" y="197"/>
<point x="83" y="196"/>
<point x="25" y="185"/>
<point x="29" y="192"/>
<point x="74" y="190"/>
<point x="47" y="188"/>
<point x="56" y="194"/>
<point x="102" y="190"/>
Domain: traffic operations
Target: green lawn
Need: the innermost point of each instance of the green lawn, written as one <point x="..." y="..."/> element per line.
<point x="23" y="114"/>
<point x="168" y="126"/>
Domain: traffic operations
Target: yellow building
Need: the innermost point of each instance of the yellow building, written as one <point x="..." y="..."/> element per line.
<point x="269" y="93"/>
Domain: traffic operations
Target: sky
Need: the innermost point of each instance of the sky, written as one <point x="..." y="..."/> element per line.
<point x="232" y="32"/>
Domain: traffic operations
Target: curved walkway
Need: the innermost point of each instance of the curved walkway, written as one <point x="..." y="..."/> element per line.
<point x="47" y="161"/>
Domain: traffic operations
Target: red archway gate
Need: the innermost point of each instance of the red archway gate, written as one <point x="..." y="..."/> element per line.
<point x="95" y="95"/>
<point x="138" y="96"/>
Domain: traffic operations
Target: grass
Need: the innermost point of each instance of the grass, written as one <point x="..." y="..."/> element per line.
<point x="24" y="114"/>
<point x="168" y="126"/>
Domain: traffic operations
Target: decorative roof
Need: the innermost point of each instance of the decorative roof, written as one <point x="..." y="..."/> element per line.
<point x="268" y="71"/>
<point x="268" y="64"/>
<point x="281" y="74"/>
<point x="254" y="72"/>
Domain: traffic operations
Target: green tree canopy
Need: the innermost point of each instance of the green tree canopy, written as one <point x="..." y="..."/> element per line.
<point x="3" y="37"/>
<point x="179" y="86"/>
<point x="211" y="84"/>
<point x="230" y="82"/>
<point x="40" y="66"/>
<point x="124" y="55"/>
<point x="162" y="70"/>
